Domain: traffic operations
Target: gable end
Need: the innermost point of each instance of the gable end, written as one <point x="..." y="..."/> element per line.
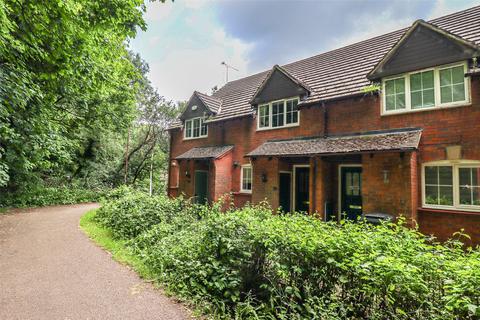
<point x="423" y="46"/>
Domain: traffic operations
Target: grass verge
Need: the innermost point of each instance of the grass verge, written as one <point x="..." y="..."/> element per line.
<point x="103" y="237"/>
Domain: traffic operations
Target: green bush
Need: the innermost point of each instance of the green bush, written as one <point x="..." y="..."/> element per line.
<point x="45" y="196"/>
<point x="248" y="263"/>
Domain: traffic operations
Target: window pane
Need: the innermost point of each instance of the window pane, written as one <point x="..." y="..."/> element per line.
<point x="445" y="176"/>
<point x="264" y="116"/>
<point x="445" y="77"/>
<point x="458" y="75"/>
<point x="247" y="178"/>
<point x="400" y="103"/>
<point x="428" y="98"/>
<point x="431" y="195"/>
<point x="292" y="111"/>
<point x="458" y="92"/>
<point x="416" y="81"/>
<point x="204" y="128"/>
<point x="465" y="195"/>
<point x="446" y="196"/>
<point x="452" y="84"/>
<point x="476" y="196"/>
<point x="390" y="103"/>
<point x="416" y="98"/>
<point x="446" y="94"/>
<point x="188" y="128"/>
<point x="431" y="175"/>
<point x="277" y="114"/>
<point x="400" y="86"/>
<point x="465" y="176"/>
<point x="196" y="128"/>
<point x="475" y="176"/>
<point x="389" y="87"/>
<point x="427" y="80"/>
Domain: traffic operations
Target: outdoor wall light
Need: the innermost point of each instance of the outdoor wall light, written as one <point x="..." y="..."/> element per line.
<point x="187" y="174"/>
<point x="264" y="177"/>
<point x="236" y="164"/>
<point x="174" y="163"/>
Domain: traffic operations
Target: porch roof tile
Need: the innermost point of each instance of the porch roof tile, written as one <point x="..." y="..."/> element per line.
<point x="212" y="152"/>
<point x="375" y="141"/>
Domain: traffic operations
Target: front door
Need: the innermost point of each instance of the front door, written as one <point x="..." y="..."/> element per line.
<point x="201" y="186"/>
<point x="285" y="191"/>
<point x="351" y="192"/>
<point x="302" y="192"/>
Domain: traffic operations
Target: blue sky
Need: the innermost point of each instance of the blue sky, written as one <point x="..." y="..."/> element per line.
<point x="187" y="40"/>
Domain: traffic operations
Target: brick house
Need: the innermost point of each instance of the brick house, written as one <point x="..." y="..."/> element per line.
<point x="390" y="124"/>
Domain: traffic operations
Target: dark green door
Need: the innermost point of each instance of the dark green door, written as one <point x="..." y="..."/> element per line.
<point x="351" y="192"/>
<point x="302" y="193"/>
<point x="285" y="191"/>
<point x="201" y="186"/>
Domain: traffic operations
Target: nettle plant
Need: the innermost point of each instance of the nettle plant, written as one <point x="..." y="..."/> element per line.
<point x="249" y="263"/>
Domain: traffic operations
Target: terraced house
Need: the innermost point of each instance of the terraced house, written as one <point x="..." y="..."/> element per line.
<point x="390" y="124"/>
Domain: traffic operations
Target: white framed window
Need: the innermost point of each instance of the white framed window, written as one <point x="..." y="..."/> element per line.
<point x="195" y="128"/>
<point x="246" y="178"/>
<point x="278" y="114"/>
<point x="451" y="185"/>
<point x="443" y="86"/>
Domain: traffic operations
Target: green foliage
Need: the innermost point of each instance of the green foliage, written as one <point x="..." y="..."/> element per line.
<point x="248" y="263"/>
<point x="45" y="196"/>
<point x="71" y="90"/>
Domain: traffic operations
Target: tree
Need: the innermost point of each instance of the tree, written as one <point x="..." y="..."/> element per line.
<point x="67" y="79"/>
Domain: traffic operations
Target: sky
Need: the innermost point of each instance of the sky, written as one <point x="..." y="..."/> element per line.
<point x="187" y="40"/>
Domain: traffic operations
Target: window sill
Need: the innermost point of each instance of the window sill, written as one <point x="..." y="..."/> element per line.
<point x="243" y="193"/>
<point x="446" y="106"/>
<point x="450" y="210"/>
<point x="196" y="138"/>
<point x="276" y="128"/>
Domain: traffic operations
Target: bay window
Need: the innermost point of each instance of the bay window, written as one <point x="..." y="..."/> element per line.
<point x="278" y="114"/>
<point x="426" y="89"/>
<point x="452" y="185"/>
<point x="195" y="128"/>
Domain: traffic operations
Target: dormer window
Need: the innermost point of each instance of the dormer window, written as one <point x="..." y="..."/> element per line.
<point x="444" y="86"/>
<point x="278" y="114"/>
<point x="195" y="128"/>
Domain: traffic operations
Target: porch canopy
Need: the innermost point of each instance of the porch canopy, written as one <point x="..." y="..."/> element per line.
<point x="373" y="141"/>
<point x="198" y="153"/>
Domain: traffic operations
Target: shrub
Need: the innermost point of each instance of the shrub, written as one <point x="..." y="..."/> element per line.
<point x="248" y="263"/>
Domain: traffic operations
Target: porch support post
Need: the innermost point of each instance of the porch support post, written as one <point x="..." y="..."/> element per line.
<point x="317" y="186"/>
<point x="413" y="189"/>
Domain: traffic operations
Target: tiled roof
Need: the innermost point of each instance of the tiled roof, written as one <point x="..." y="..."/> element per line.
<point x="404" y="139"/>
<point x="213" y="152"/>
<point x="341" y="72"/>
<point x="212" y="103"/>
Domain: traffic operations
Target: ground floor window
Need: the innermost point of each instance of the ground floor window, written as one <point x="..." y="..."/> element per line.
<point x="452" y="185"/>
<point x="246" y="178"/>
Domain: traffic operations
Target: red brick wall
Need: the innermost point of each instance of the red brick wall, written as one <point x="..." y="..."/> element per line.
<point x="443" y="224"/>
<point x="441" y="128"/>
<point x="391" y="195"/>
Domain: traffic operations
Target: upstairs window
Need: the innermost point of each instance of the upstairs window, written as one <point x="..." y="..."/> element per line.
<point x="452" y="84"/>
<point x="195" y="128"/>
<point x="427" y="89"/>
<point x="422" y="92"/>
<point x="452" y="185"/>
<point x="395" y="94"/>
<point x="278" y="114"/>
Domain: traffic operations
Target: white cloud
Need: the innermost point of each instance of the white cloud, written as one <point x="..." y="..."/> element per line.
<point x="367" y="27"/>
<point x="443" y="7"/>
<point x="182" y="71"/>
